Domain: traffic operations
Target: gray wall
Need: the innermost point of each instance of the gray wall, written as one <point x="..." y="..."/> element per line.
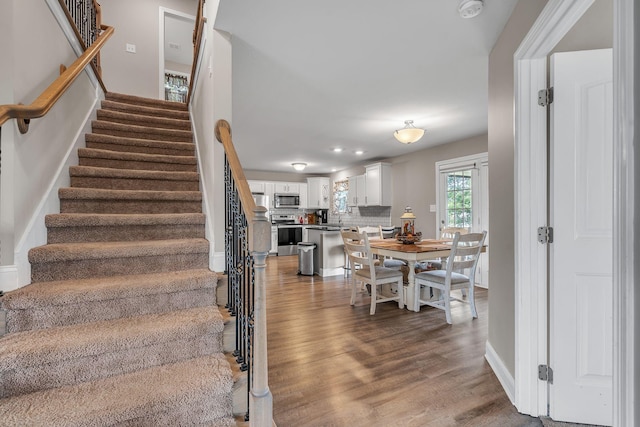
<point x="135" y="22"/>
<point x="636" y="222"/>
<point x="414" y="180"/>
<point x="593" y="31"/>
<point x="501" y="177"/>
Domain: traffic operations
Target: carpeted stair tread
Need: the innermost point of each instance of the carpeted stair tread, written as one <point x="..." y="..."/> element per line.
<point x="142" y="120"/>
<point x="138" y="100"/>
<point x="141" y="132"/>
<point x="100" y="194"/>
<point x="144" y="110"/>
<point x="92" y="171"/>
<point x="191" y="392"/>
<point x="55" y="345"/>
<point x="63" y="292"/>
<point x="42" y="305"/>
<point x="136" y="145"/>
<point x="97" y="227"/>
<point x="138" y="157"/>
<point x="110" y="220"/>
<point x="59" y="252"/>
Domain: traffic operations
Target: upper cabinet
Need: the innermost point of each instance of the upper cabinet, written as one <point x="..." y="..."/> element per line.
<point x="304" y="197"/>
<point x="373" y="188"/>
<point x="357" y="191"/>
<point x="318" y="193"/>
<point x="256" y="186"/>
<point x="286" y="188"/>
<point x="378" y="184"/>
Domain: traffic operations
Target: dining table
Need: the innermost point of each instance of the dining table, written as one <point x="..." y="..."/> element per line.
<point x="424" y="250"/>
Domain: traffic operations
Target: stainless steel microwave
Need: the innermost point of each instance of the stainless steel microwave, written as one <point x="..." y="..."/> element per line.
<point x="286" y="201"/>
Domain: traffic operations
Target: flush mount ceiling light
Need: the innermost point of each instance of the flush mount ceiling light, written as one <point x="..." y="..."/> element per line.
<point x="409" y="134"/>
<point x="337" y="150"/>
<point x="470" y="8"/>
<point x="299" y="166"/>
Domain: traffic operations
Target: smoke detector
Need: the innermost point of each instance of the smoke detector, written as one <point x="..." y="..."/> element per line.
<point x="470" y="8"/>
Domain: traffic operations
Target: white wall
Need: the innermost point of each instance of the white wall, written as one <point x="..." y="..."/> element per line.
<point x="136" y="22"/>
<point x="211" y="102"/>
<point x="33" y="162"/>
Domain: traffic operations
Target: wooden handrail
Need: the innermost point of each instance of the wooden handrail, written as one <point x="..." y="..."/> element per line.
<point x="197" y="42"/>
<point x="50" y="96"/>
<point x="223" y="135"/>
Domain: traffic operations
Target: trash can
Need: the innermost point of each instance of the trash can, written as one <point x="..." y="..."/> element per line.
<point x="305" y="258"/>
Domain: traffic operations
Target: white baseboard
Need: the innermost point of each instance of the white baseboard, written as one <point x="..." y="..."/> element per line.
<point x="8" y="278"/>
<point x="506" y="379"/>
<point x="217" y="261"/>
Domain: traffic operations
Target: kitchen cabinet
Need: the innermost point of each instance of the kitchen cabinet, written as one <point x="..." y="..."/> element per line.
<point x="256" y="186"/>
<point x="274" y="239"/>
<point x="286" y="188"/>
<point x="318" y="192"/>
<point x="305" y="234"/>
<point x="304" y="196"/>
<point x="356" y="194"/>
<point x="378" y="184"/>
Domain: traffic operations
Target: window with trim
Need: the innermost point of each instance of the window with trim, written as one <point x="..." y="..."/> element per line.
<point x="340" y="194"/>
<point x="459" y="200"/>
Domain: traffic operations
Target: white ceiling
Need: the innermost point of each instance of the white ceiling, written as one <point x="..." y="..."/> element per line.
<point x="310" y="76"/>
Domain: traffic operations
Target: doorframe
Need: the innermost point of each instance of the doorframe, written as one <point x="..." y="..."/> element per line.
<point x="530" y="74"/>
<point x="163" y="12"/>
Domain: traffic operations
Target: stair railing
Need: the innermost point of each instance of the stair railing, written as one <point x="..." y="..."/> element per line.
<point x="197" y="44"/>
<point x="247" y="244"/>
<point x="47" y="99"/>
<point x="85" y="17"/>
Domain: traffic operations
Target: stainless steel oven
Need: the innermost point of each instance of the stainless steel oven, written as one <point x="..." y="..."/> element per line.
<point x="289" y="233"/>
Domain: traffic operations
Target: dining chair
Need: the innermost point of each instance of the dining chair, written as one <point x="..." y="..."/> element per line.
<point x="465" y="252"/>
<point x="359" y="251"/>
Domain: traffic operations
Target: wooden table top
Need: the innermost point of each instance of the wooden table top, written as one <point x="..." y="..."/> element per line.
<point x="426" y="245"/>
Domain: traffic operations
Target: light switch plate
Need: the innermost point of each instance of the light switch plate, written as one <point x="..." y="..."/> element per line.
<point x="131" y="48"/>
<point x="432" y="208"/>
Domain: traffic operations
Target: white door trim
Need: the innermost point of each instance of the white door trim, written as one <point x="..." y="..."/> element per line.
<point x="530" y="67"/>
<point x="624" y="316"/>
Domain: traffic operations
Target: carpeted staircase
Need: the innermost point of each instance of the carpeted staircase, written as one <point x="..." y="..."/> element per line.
<point x="120" y="325"/>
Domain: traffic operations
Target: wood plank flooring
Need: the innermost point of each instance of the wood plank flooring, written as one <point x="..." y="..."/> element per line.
<point x="331" y="364"/>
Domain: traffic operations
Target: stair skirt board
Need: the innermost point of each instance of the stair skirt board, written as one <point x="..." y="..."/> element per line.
<point x="120" y="323"/>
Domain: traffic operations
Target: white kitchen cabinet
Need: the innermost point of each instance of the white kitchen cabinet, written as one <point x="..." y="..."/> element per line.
<point x="274" y="240"/>
<point x="305" y="234"/>
<point x="378" y="184"/>
<point x="357" y="191"/>
<point x="318" y="192"/>
<point x="286" y="188"/>
<point x="304" y="196"/>
<point x="256" y="186"/>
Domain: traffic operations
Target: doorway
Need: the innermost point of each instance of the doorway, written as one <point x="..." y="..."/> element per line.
<point x="462" y="195"/>
<point x="531" y="394"/>
<point x="175" y="54"/>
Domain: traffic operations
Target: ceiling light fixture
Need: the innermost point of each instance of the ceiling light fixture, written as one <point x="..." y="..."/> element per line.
<point x="337" y="150"/>
<point x="409" y="134"/>
<point x="470" y="8"/>
<point x="299" y="166"/>
<point x="359" y="152"/>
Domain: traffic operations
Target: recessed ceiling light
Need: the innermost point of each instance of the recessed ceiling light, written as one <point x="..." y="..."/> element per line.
<point x="359" y="152"/>
<point x="334" y="170"/>
<point x="337" y="150"/>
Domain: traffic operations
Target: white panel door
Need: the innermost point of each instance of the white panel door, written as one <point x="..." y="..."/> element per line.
<point x="581" y="183"/>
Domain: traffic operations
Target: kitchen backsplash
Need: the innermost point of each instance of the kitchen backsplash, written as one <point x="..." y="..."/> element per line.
<point x="363" y="216"/>
<point x="359" y="216"/>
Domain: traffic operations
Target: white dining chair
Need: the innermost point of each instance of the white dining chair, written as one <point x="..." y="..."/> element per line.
<point x="359" y="251"/>
<point x="465" y="252"/>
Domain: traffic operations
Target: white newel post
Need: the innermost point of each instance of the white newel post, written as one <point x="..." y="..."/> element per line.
<point x="261" y="403"/>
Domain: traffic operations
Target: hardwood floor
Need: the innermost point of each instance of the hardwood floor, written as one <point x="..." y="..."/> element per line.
<point x="331" y="364"/>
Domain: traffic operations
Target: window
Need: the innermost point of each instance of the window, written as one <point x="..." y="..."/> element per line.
<point x="459" y="200"/>
<point x="340" y="190"/>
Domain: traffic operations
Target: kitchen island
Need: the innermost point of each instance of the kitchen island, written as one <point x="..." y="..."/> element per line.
<point x="328" y="257"/>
